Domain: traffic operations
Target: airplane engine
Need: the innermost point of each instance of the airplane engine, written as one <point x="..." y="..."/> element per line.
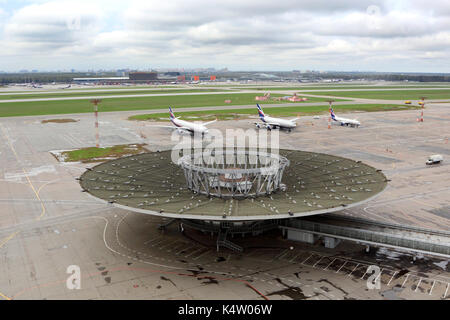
<point x="183" y="132"/>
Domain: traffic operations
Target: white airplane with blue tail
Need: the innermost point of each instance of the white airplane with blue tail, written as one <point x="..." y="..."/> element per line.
<point x="344" y="121"/>
<point x="274" y="123"/>
<point x="183" y="126"/>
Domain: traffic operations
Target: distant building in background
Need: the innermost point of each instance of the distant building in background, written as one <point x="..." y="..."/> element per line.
<point x="133" y="77"/>
<point x="143" y="76"/>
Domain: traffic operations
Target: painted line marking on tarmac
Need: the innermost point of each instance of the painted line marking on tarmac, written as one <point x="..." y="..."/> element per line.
<point x="378" y="276"/>
<point x="184" y="250"/>
<point x="418" y="284"/>
<point x="353" y="270"/>
<point x="330" y="264"/>
<point x="203" y="254"/>
<point x="432" y="287"/>
<point x="307" y="258"/>
<point x="364" y="274"/>
<point x="158" y="242"/>
<point x="392" y="278"/>
<point x="195" y="251"/>
<point x="151" y="240"/>
<point x="168" y="244"/>
<point x="314" y="265"/>
<point x="12" y="235"/>
<point x="295" y="257"/>
<point x="406" y="279"/>
<point x="5" y="296"/>
<point x="341" y="267"/>
<point x="278" y="257"/>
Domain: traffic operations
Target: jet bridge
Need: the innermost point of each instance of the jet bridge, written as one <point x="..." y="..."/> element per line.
<point x="333" y="228"/>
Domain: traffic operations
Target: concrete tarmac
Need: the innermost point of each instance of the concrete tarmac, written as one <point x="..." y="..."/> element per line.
<point x="47" y="224"/>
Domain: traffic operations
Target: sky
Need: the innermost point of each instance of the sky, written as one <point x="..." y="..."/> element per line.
<point x="338" y="35"/>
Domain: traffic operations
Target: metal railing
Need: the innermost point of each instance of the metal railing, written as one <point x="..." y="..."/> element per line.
<point x="223" y="242"/>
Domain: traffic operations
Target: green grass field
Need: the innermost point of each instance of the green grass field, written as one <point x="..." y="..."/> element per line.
<point x="103" y="93"/>
<point x="233" y="114"/>
<point x="125" y="104"/>
<point x="390" y="95"/>
<point x="340" y="86"/>
<point x="100" y="154"/>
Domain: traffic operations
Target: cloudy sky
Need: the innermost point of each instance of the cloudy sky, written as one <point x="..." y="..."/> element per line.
<point x="346" y="35"/>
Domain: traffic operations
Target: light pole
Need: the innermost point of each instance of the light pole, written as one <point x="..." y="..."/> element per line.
<point x="329" y="118"/>
<point x="423" y="106"/>
<point x="95" y="102"/>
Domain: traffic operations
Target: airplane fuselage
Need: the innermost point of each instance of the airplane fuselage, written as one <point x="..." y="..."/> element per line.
<point x="192" y="127"/>
<point x="347" y="122"/>
<point x="277" y="122"/>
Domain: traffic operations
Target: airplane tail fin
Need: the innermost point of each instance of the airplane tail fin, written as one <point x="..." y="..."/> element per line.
<point x="171" y="115"/>
<point x="332" y="113"/>
<point x="260" y="111"/>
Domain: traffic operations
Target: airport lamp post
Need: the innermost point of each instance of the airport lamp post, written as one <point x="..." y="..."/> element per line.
<point x="329" y="118"/>
<point x="423" y="106"/>
<point x="95" y="102"/>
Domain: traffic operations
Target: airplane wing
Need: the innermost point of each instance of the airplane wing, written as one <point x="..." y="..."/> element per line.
<point x="207" y="123"/>
<point x="294" y="119"/>
<point x="172" y="127"/>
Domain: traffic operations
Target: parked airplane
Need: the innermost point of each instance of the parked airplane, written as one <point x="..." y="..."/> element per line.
<point x="344" y="121"/>
<point x="275" y="123"/>
<point x="183" y="126"/>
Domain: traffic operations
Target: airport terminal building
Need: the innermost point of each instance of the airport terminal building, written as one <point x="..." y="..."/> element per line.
<point x="133" y="77"/>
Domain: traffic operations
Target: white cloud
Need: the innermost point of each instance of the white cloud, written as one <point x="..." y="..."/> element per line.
<point x="239" y="34"/>
<point x="52" y="26"/>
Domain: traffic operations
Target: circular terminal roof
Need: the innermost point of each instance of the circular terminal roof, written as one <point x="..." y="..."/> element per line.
<point x="315" y="183"/>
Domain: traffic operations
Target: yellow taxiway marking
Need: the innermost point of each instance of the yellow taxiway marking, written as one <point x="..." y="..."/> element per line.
<point x="12" y="235"/>
<point x="4" y="296"/>
<point x="7" y="239"/>
<point x="25" y="173"/>
<point x="29" y="182"/>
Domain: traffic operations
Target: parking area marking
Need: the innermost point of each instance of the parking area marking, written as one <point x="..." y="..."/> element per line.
<point x="318" y="261"/>
<point x="406" y="279"/>
<point x="201" y="255"/>
<point x="392" y="278"/>
<point x="193" y="252"/>
<point x="432" y="287"/>
<point x="330" y="264"/>
<point x="353" y="270"/>
<point x="345" y="262"/>
<point x="418" y="284"/>
<point x="308" y="258"/>
<point x="168" y="244"/>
